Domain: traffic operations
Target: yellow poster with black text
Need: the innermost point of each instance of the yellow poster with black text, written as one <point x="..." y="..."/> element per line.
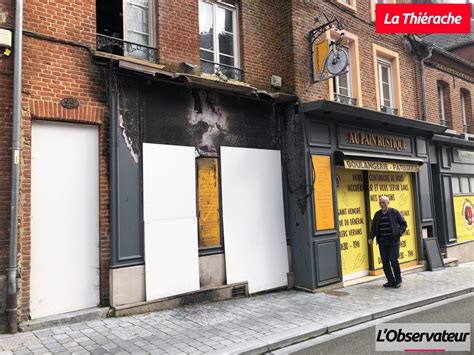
<point x="398" y="187"/>
<point x="352" y="226"/>
<point x="464" y="217"/>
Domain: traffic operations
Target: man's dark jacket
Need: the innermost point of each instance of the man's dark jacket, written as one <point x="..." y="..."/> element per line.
<point x="397" y="222"/>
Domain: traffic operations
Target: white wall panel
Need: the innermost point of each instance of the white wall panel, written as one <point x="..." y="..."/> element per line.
<point x="171" y="257"/>
<point x="171" y="233"/>
<point x="64" y="218"/>
<point x="169" y="183"/>
<point x="253" y="218"/>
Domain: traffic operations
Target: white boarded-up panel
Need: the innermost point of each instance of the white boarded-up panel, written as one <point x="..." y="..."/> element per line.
<point x="253" y="218"/>
<point x="171" y="239"/>
<point x="169" y="183"/>
<point x="171" y="257"/>
<point x="64" y="218"/>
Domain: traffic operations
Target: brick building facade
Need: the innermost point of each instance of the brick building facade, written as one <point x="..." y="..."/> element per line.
<point x="61" y="60"/>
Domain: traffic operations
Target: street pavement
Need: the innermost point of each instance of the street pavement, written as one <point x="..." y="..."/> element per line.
<point x="361" y="338"/>
<point x="257" y="324"/>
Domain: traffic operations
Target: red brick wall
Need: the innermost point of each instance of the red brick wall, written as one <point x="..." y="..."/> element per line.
<point x="453" y="103"/>
<point x="52" y="71"/>
<point x="177" y="27"/>
<point x="260" y="42"/>
<point x="6" y="107"/>
<point x="360" y="24"/>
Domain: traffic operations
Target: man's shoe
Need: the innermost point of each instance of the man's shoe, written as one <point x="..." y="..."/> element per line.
<point x="388" y="284"/>
<point x="397" y="285"/>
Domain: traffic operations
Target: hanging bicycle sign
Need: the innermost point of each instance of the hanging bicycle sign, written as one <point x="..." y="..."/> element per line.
<point x="328" y="58"/>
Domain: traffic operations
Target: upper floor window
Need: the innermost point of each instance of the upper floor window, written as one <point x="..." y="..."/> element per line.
<point x="441" y="109"/>
<point x="219" y="50"/>
<point x="466" y="111"/>
<point x="444" y="104"/>
<point x="349" y="3"/>
<point x="342" y="84"/>
<point x="387" y="78"/>
<point x="346" y="87"/>
<point x="385" y="86"/>
<point x="126" y="28"/>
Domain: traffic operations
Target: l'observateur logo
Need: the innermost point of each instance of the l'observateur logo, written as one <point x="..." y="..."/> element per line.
<point x="423" y="337"/>
<point x="422" y="18"/>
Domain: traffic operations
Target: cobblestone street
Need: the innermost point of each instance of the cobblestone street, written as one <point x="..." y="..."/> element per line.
<point x="247" y="323"/>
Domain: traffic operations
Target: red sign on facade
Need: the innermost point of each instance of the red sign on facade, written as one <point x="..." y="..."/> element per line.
<point x="422" y="18"/>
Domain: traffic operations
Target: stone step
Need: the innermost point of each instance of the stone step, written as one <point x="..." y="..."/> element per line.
<point x="82" y="315"/>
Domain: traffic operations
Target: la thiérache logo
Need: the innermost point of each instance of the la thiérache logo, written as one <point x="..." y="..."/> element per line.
<point x="422" y="18"/>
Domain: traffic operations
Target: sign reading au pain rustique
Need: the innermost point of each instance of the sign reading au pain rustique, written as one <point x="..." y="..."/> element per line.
<point x="367" y="140"/>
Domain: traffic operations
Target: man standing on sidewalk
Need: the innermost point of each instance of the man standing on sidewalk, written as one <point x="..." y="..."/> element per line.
<point x="388" y="225"/>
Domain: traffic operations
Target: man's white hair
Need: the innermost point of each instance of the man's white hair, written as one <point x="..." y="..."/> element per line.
<point x="384" y="198"/>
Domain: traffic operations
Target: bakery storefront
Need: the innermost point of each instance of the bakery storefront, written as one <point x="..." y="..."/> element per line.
<point x="352" y="157"/>
<point x="452" y="164"/>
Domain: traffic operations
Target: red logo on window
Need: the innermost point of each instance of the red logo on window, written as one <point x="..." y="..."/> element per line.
<point x="422" y="18"/>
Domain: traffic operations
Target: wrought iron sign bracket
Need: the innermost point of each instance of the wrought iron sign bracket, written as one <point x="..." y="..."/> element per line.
<point x="336" y="55"/>
<point x="330" y="23"/>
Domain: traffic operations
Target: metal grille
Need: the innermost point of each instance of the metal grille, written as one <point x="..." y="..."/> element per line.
<point x="345" y="99"/>
<point x="119" y="46"/>
<point x="239" y="291"/>
<point x="222" y="70"/>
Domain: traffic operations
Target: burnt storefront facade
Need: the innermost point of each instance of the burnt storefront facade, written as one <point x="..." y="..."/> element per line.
<point x="197" y="194"/>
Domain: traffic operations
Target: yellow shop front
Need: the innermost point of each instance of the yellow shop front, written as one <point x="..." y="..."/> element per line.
<point x="359" y="184"/>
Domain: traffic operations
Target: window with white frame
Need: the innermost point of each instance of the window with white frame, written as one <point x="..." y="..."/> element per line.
<point x="466" y="111"/>
<point x="138" y="24"/>
<point x="126" y="28"/>
<point x="342" y="84"/>
<point x="441" y="106"/>
<point x="219" y="50"/>
<point x="385" y="86"/>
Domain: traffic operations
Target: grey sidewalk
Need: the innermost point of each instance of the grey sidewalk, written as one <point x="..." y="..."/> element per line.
<point x="258" y="324"/>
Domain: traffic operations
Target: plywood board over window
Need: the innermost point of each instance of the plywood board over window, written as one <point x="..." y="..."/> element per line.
<point x="208" y="203"/>
<point x="169" y="197"/>
<point x="253" y="218"/>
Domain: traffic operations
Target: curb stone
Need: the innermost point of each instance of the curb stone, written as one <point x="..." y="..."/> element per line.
<point x="315" y="330"/>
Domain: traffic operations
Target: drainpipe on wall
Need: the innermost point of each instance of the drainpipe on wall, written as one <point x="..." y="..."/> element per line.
<point x="423" y="91"/>
<point x="16" y="148"/>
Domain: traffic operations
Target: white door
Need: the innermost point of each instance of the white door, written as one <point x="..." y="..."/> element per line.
<point x="64" y="218"/>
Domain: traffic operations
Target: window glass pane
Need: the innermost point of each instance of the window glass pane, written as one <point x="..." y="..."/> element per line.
<point x="207" y="67"/>
<point x="206" y="29"/>
<point x="464" y="185"/>
<point x="207" y="55"/>
<point x="472" y="184"/>
<point x="138" y="38"/>
<point x="344" y="81"/>
<point x="386" y="92"/>
<point x="455" y="183"/>
<point x="143" y="3"/>
<point x="226" y="43"/>
<point x="137" y="19"/>
<point x="224" y="20"/>
<point x="226" y="60"/>
<point x="384" y="74"/>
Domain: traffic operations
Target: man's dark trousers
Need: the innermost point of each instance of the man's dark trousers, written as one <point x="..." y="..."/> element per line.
<point x="389" y="251"/>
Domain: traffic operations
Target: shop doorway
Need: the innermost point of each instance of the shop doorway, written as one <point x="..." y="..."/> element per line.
<point x="352" y="223"/>
<point x="358" y="193"/>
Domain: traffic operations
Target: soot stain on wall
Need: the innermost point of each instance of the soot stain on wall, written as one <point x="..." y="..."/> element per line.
<point x="207" y="120"/>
